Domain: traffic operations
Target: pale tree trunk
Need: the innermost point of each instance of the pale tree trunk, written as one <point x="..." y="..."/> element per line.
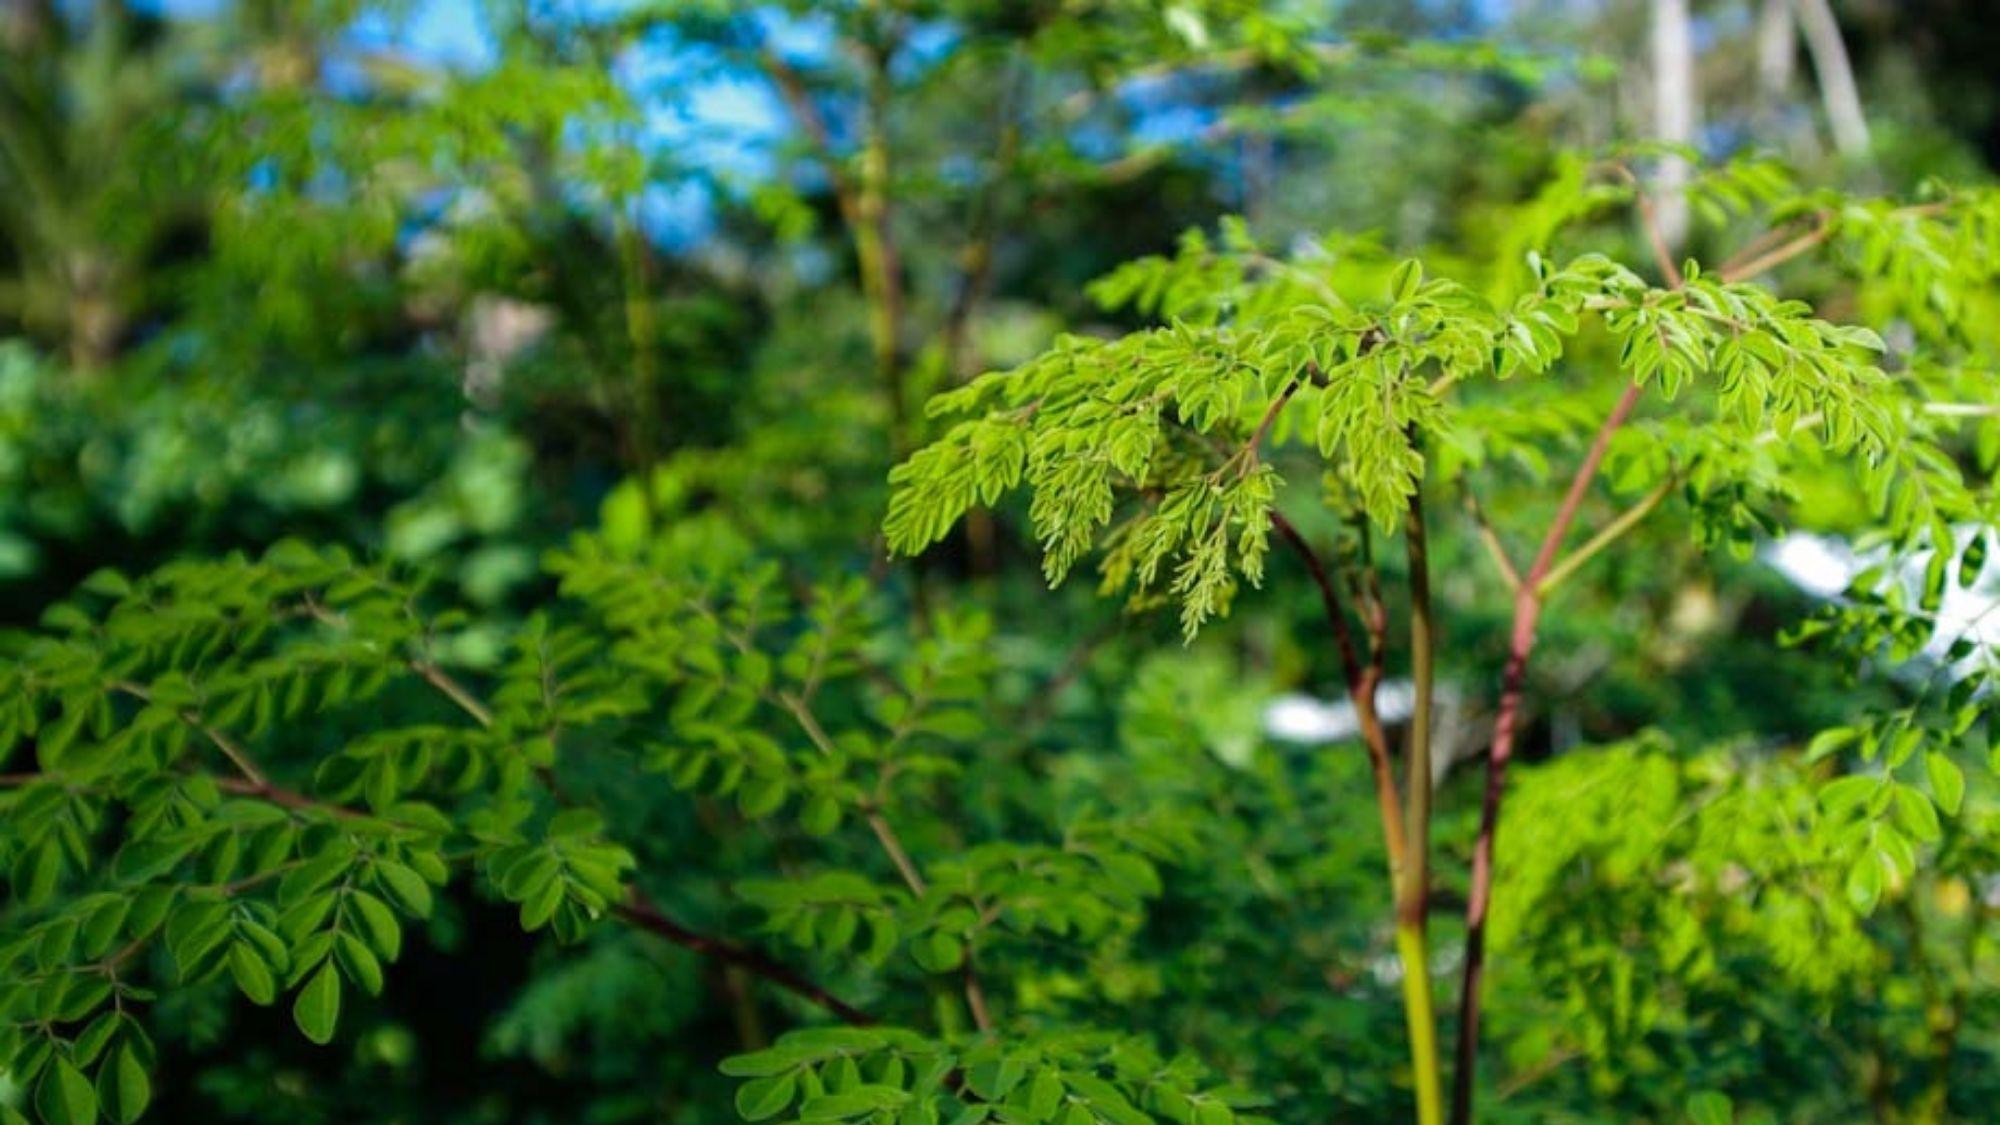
<point x="1673" y="109"/>
<point x="1777" y="51"/>
<point x="1836" y="77"/>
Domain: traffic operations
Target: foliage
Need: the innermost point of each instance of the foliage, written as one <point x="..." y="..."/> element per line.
<point x="606" y="770"/>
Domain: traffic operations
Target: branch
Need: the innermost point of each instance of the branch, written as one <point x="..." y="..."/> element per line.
<point x="792" y="89"/>
<point x="1038" y="708"/>
<point x="1361" y="684"/>
<point x="235" y="753"/>
<point x="1626" y="521"/>
<point x="1513" y="681"/>
<point x="976" y="256"/>
<point x="639" y="911"/>
<point x="1350" y="661"/>
<point x="1491" y="539"/>
<point x="1771" y="259"/>
<point x="892" y="845"/>
<point x="875" y="247"/>
<point x="1754" y="259"/>
<point x="291" y="799"/>
<point x="864" y="208"/>
<point x="1248" y="454"/>
<point x="1579" y="485"/>
<point x="898" y="855"/>
<point x="1657" y="237"/>
<point x="453" y="690"/>
<point x="237" y="756"/>
<point x="975" y="996"/>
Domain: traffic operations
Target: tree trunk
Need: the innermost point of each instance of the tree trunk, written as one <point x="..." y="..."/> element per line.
<point x="1836" y="77"/>
<point x="1673" y="110"/>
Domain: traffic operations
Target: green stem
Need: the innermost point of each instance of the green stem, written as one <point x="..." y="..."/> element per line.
<point x="1411" y="947"/>
<point x="1617" y="527"/>
<point x="1413" y="890"/>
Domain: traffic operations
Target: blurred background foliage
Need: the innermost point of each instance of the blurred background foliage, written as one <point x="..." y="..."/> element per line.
<point x="449" y="281"/>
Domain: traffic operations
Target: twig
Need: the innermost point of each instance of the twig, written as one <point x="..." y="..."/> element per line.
<point x="1491" y="539"/>
<point x="898" y="855"/>
<point x="1757" y="246"/>
<point x="976" y="256"/>
<point x="637" y="910"/>
<point x="453" y="690"/>
<point x="237" y="756"/>
<point x="1773" y="258"/>
<point x="892" y="844"/>
<point x="1036" y="712"/>
<point x="1627" y="520"/>
<point x="975" y="997"/>
<point x="235" y="753"/>
<point x="640" y="912"/>
<point x="1656" y="237"/>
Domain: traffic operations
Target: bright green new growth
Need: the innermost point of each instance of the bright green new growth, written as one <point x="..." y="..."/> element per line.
<point x="1151" y="445"/>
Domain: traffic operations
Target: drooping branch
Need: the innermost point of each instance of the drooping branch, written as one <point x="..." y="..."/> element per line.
<point x="637" y="910"/>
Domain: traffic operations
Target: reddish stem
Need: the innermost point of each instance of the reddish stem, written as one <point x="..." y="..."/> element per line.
<point x="1513" y="682"/>
<point x="640" y="912"/>
<point x="1362" y="680"/>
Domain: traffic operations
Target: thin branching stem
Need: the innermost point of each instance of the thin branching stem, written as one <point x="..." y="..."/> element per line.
<point x="444" y="682"/>
<point x="1610" y="534"/>
<point x="1513" y="684"/>
<point x="1490" y="539"/>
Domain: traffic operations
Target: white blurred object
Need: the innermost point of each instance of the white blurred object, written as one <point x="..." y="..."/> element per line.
<point x="1298" y="717"/>
<point x="1823" y="566"/>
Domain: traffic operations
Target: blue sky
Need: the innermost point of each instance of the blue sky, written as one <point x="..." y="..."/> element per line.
<point x="725" y="124"/>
